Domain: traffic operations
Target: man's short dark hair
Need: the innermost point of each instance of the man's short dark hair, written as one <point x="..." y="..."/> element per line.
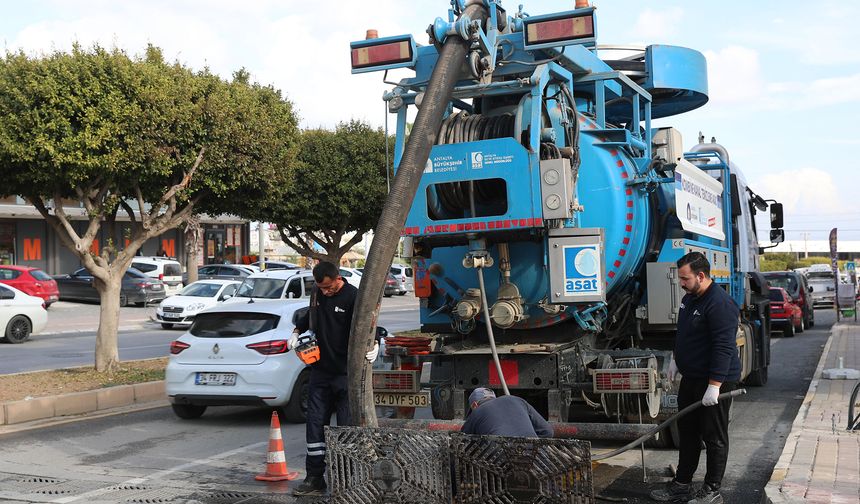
<point x="325" y="270"/>
<point x="698" y="263"/>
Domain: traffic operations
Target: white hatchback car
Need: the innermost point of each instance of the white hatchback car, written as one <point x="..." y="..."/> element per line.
<point x="20" y="315"/>
<point x="274" y="284"/>
<point x="238" y="354"/>
<point x="351" y="275"/>
<point x="194" y="298"/>
<point x="165" y="269"/>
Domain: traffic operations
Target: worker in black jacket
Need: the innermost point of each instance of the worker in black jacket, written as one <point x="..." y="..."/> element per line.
<point x="706" y="356"/>
<point x="504" y="416"/>
<point x="329" y="317"/>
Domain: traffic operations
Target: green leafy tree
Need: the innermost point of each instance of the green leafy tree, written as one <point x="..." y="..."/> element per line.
<point x="154" y="140"/>
<point x="336" y="188"/>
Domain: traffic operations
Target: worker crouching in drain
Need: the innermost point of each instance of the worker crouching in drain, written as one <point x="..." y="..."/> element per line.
<point x="503" y="416"/>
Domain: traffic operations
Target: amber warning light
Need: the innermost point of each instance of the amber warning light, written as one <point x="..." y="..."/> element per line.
<point x="382" y="54"/>
<point x="574" y="27"/>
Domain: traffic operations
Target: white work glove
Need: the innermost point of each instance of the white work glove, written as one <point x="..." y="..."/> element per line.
<point x="373" y="354"/>
<point x="711" y="394"/>
<point x="294" y="339"/>
<point x="673" y="370"/>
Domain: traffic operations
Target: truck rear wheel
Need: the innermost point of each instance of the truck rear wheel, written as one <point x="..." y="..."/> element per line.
<point x="757" y="378"/>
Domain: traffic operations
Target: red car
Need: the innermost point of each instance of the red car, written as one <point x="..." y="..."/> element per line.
<point x="32" y="281"/>
<point x="785" y="315"/>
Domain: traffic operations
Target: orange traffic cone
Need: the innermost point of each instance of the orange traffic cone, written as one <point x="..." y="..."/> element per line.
<point x="276" y="461"/>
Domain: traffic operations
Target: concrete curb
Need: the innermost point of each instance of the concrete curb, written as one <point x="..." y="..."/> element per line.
<point x="773" y="490"/>
<point x="78" y="403"/>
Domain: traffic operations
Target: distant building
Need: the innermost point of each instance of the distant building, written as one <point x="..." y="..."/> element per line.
<point x="26" y="239"/>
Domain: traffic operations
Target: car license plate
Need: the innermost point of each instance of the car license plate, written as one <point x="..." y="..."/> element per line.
<point x="419" y="400"/>
<point x="228" y="379"/>
<point x="156" y="287"/>
<point x="171" y="315"/>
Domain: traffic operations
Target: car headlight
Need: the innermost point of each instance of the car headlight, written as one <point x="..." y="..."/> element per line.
<point x="195" y="307"/>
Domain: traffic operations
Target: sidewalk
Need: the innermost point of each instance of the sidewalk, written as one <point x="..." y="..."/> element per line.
<point x="820" y="462"/>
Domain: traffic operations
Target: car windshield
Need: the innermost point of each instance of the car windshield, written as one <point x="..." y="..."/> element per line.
<point x="776" y="295"/>
<point x="819" y="275"/>
<point x="201" y="290"/>
<point x="40" y="275"/>
<point x="787" y="282"/>
<point x="232" y="325"/>
<point x="269" y="288"/>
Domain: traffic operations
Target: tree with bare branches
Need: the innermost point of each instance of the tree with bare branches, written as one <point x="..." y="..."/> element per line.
<point x="154" y="140"/>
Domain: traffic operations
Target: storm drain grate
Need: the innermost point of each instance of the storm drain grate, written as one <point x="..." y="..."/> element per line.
<point x="369" y="465"/>
<point x="243" y="498"/>
<point x="499" y="469"/>
<point x="128" y="488"/>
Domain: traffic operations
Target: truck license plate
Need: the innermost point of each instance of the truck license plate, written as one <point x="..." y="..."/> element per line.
<point x="419" y="400"/>
<point x="228" y="379"/>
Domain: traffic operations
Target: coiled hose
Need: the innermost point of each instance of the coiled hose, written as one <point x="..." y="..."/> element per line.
<point x="387" y="231"/>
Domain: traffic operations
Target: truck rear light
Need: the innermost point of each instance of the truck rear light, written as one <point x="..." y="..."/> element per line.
<point x="634" y="380"/>
<point x="273" y="347"/>
<point x="383" y="53"/>
<point x="177" y="346"/>
<point x="554" y="30"/>
<point x="396" y="381"/>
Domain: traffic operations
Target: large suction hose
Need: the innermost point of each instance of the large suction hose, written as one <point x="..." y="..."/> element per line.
<point x="638" y="441"/>
<point x="394" y="213"/>
<point x="490" y="331"/>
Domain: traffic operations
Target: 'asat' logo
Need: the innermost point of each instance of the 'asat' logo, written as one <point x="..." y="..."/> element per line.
<point x="477" y="160"/>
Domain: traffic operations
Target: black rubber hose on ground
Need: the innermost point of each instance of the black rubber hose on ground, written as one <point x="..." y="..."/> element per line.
<point x="666" y="423"/>
<point x="387" y="231"/>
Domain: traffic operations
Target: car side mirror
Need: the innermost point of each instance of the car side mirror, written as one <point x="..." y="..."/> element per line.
<point x="777" y="235"/>
<point x="225" y="297"/>
<point x="809" y="288"/>
<point x="381" y="332"/>
<point x="291" y="295"/>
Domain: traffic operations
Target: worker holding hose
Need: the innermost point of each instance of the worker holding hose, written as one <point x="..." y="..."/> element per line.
<point x="707" y="359"/>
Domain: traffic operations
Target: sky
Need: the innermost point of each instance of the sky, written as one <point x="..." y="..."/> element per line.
<point x="784" y="76"/>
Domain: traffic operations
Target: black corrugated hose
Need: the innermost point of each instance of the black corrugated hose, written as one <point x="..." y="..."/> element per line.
<point x="387" y="231"/>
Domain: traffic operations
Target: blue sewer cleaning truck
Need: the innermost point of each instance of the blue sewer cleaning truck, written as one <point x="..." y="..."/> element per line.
<point x="548" y="213"/>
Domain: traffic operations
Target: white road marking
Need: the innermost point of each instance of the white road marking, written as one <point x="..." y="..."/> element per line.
<point x="160" y="474"/>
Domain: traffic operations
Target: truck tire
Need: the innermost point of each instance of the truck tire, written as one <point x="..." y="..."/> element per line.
<point x="296" y="409"/>
<point x="757" y="378"/>
<point x="188" y="411"/>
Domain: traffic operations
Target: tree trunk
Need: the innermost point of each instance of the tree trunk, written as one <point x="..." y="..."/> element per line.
<point x="107" y="353"/>
<point x="191" y="255"/>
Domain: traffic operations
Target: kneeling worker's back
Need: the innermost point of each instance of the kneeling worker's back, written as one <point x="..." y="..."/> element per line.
<point x="503" y="416"/>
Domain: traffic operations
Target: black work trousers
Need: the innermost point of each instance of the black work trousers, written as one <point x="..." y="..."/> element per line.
<point x="706" y="423"/>
<point x="327" y="394"/>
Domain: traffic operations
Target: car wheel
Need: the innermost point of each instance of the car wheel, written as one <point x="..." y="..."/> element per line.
<point x="386" y="295"/>
<point x="123" y="299"/>
<point x="802" y="326"/>
<point x="401" y="293"/>
<point x="811" y="320"/>
<point x="788" y="332"/>
<point x="167" y="326"/>
<point x="188" y="411"/>
<point x="296" y="410"/>
<point x="18" y="329"/>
